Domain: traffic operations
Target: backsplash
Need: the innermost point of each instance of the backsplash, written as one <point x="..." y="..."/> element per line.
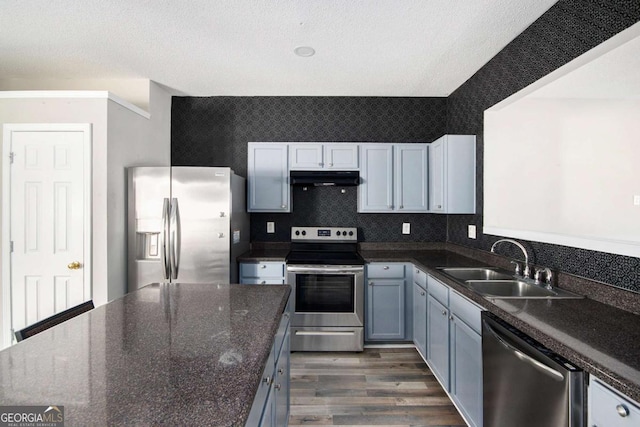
<point x="568" y="29"/>
<point x="214" y="131"/>
<point x="326" y="206"/>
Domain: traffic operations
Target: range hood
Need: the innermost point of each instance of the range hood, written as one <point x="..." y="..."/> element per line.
<point x="325" y="178"/>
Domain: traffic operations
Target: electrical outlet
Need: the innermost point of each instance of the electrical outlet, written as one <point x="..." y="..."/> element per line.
<point x="471" y="231"/>
<point x="406" y="228"/>
<point x="271" y="227"/>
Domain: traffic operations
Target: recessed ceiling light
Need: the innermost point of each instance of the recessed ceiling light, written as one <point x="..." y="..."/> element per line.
<point x="304" y="51"/>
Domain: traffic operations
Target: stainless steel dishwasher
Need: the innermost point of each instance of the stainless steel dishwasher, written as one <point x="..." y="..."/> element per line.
<point x="526" y="384"/>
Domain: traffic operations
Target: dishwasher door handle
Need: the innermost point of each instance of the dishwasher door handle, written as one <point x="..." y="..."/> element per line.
<point x="526" y="358"/>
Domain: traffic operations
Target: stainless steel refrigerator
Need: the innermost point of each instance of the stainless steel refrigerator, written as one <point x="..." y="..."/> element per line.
<point x="186" y="224"/>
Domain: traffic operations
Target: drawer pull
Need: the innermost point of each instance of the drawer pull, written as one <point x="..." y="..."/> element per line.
<point x="623" y="411"/>
<point x="263" y="266"/>
<point x="386" y="267"/>
<point x="422" y="293"/>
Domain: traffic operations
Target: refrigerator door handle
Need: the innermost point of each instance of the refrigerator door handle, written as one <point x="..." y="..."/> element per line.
<point x="174" y="238"/>
<point x="164" y="243"/>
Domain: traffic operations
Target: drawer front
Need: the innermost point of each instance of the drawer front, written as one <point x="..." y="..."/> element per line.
<point x="262" y="269"/>
<point x="259" y="281"/>
<point x="386" y="271"/>
<point x="466" y="310"/>
<point x="439" y="290"/>
<point x="606" y="408"/>
<point x="420" y="277"/>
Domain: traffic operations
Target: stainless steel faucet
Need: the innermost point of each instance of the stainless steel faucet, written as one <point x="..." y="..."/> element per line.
<point x="527" y="271"/>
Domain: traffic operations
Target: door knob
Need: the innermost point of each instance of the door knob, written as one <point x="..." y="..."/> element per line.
<point x="75" y="265"/>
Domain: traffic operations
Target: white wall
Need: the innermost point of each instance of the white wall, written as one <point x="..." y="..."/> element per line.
<point x="136" y="91"/>
<point x="564" y="168"/>
<point x="121" y="138"/>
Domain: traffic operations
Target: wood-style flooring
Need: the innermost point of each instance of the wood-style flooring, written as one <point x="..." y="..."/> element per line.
<point x="378" y="387"/>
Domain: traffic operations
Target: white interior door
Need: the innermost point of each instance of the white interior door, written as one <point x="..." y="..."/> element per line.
<point x="48" y="173"/>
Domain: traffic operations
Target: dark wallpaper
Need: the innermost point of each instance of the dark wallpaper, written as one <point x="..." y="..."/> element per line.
<point x="568" y="29"/>
<point x="214" y="131"/>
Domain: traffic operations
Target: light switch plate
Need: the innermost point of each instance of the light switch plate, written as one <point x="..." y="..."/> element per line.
<point x="472" y="231"/>
<point x="271" y="227"/>
<point x="406" y="228"/>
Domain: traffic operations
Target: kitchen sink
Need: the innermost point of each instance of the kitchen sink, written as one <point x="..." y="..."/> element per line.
<point x="516" y="289"/>
<point x="475" y="273"/>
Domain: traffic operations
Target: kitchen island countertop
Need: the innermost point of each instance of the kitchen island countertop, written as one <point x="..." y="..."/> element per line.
<point x="167" y="354"/>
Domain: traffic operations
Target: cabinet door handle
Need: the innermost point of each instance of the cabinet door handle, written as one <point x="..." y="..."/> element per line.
<point x="267" y="380"/>
<point x="283" y="206"/>
<point x="421" y="293"/>
<point x="330" y="165"/>
<point x="444" y="312"/>
<point x="623" y="411"/>
<point x="451" y="318"/>
<point x="263" y="266"/>
<point x="264" y="282"/>
<point x="281" y="371"/>
<point x="386" y="267"/>
<point x="370" y="283"/>
<point x="277" y="386"/>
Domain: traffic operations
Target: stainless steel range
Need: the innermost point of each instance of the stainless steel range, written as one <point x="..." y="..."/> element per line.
<point x="327" y="276"/>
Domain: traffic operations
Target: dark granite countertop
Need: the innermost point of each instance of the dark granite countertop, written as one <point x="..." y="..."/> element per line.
<point x="601" y="339"/>
<point x="179" y="354"/>
<point x="261" y="255"/>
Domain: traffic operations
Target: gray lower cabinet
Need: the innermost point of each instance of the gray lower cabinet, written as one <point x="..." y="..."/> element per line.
<point x="420" y="318"/>
<point x="262" y="273"/>
<point x="608" y="407"/>
<point x="438" y="339"/>
<point x="281" y="385"/>
<point x="466" y="370"/>
<point x="454" y="347"/>
<point x="386" y="301"/>
<point x="272" y="400"/>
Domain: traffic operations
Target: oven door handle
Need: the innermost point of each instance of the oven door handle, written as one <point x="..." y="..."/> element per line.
<point x="321" y="270"/>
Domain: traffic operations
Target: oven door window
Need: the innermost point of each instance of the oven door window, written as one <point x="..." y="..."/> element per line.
<point x="325" y="293"/>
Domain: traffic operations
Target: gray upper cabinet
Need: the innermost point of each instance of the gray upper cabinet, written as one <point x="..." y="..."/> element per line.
<point x="411" y="177"/>
<point x="452" y="174"/>
<point x="375" y="192"/>
<point x="394" y="178"/>
<point x="268" y="178"/>
<point x="318" y="156"/>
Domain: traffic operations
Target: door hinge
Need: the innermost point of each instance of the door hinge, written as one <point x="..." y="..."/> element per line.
<point x="12" y="155"/>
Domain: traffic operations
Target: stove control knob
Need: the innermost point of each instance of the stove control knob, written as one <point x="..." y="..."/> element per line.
<point x="351" y="233"/>
<point x="297" y="232"/>
<point x="304" y="233"/>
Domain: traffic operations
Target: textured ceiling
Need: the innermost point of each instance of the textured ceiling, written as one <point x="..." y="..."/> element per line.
<point x="245" y="47"/>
